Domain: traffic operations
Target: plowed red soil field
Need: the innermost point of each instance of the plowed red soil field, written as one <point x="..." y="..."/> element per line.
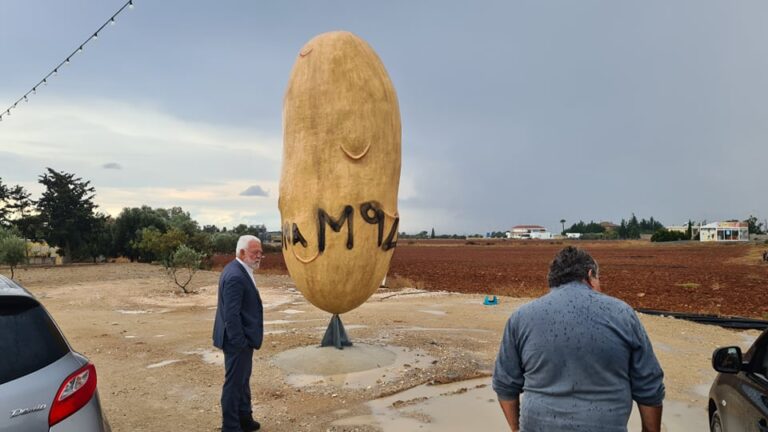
<point x="722" y="279"/>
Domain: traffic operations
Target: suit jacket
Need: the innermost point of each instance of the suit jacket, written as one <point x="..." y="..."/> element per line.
<point x="239" y="314"/>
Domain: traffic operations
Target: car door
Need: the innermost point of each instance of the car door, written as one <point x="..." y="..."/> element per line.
<point x="753" y="389"/>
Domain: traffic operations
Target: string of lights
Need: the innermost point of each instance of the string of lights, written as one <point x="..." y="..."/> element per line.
<point x="43" y="82"/>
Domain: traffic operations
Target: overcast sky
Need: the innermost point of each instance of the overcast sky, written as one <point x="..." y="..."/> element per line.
<point x="513" y="112"/>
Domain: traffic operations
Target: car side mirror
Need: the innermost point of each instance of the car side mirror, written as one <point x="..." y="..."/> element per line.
<point x="727" y="360"/>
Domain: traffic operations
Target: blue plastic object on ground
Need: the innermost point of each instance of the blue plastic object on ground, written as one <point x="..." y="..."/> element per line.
<point x="490" y="301"/>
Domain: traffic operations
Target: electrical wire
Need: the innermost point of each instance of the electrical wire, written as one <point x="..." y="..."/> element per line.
<point x="66" y="61"/>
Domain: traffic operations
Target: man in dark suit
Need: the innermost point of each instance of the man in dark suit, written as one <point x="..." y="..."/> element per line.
<point x="238" y="330"/>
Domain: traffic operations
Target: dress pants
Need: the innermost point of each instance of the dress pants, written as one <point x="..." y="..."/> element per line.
<point x="236" y="393"/>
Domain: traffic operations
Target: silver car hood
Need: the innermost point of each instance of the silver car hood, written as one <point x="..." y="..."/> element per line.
<point x="25" y="402"/>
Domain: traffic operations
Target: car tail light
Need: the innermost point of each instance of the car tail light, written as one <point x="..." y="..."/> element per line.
<point x="73" y="394"/>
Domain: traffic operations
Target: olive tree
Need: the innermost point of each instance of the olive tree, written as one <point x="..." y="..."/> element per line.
<point x="184" y="263"/>
<point x="13" y="251"/>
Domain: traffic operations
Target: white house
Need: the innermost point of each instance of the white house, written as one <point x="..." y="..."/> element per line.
<point x="529" y="232"/>
<point x="724" y="231"/>
<point x="678" y="228"/>
<point x="41" y="253"/>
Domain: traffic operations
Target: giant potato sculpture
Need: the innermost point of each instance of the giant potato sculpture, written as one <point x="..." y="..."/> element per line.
<point x="340" y="176"/>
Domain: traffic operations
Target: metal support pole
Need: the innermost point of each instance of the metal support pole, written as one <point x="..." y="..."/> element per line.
<point x="335" y="335"/>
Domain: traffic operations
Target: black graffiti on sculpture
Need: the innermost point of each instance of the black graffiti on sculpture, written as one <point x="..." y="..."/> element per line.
<point x="369" y="211"/>
<point x="336" y="224"/>
<point x="376" y="218"/>
<point x="297" y="237"/>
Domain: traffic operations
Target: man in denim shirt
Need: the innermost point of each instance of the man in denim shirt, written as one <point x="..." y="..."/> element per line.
<point x="580" y="357"/>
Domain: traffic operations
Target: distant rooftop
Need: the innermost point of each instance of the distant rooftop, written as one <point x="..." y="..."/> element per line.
<point x="727" y="224"/>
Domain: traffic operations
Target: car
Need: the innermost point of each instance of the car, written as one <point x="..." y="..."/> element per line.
<point x="738" y="399"/>
<point x="44" y="384"/>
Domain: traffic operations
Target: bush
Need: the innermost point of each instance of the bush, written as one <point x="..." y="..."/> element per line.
<point x="271" y="247"/>
<point x="591" y="236"/>
<point x="185" y="261"/>
<point x="159" y="245"/>
<point x="224" y="243"/>
<point x="663" y="235"/>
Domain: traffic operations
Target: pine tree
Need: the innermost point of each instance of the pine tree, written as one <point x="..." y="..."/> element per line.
<point x="67" y="212"/>
<point x="689" y="231"/>
<point x="3" y="204"/>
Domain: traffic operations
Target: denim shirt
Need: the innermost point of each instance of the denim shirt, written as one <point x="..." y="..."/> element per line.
<point x="580" y="358"/>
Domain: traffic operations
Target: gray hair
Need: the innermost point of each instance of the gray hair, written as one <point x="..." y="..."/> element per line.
<point x="571" y="264"/>
<point x="242" y="243"/>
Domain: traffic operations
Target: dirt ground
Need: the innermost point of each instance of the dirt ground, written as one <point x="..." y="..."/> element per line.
<point x="694" y="277"/>
<point x="157" y="370"/>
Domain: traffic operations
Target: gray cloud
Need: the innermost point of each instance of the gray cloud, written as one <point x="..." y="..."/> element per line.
<point x="645" y="109"/>
<point x="254" y="190"/>
<point x="112" y="165"/>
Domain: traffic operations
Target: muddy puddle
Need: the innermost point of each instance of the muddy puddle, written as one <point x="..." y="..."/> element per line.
<point x="472" y="405"/>
<point x="163" y="363"/>
<point x="433" y="312"/>
<point x="359" y="366"/>
<point x="210" y="356"/>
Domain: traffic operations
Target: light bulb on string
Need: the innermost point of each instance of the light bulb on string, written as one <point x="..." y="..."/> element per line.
<point x="54" y="73"/>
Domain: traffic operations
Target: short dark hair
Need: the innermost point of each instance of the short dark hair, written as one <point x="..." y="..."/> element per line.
<point x="571" y="264"/>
